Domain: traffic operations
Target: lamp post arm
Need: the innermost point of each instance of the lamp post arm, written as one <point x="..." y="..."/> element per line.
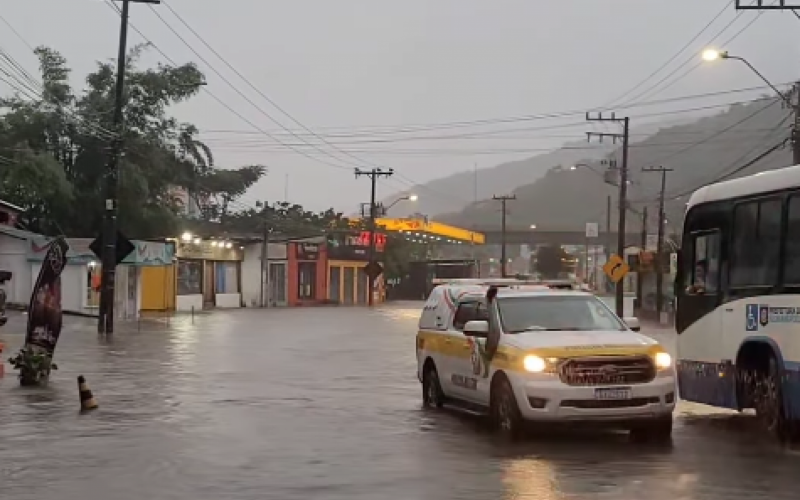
<point x="754" y="70"/>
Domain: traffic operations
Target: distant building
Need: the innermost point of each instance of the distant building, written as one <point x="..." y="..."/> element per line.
<point x="188" y="203"/>
<point x="9" y="213"/>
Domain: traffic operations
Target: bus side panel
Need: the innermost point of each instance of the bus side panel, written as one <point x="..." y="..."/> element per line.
<point x="703" y="375"/>
<point x="774" y="320"/>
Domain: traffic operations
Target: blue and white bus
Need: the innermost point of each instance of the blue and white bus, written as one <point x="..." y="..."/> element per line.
<point x="738" y="298"/>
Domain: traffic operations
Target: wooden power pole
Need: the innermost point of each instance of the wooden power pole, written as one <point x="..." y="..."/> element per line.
<point x="503" y="258"/>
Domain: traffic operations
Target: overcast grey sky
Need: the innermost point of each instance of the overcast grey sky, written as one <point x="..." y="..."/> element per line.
<point x="348" y="66"/>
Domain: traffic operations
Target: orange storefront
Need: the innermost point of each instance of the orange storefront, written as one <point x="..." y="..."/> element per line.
<point x="348" y="255"/>
<point x="308" y="277"/>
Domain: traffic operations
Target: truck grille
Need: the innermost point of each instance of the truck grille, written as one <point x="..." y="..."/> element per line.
<point x="607" y="370"/>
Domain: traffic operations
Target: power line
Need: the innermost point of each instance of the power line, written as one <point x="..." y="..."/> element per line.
<point x="485" y="134"/>
<point x="251" y="102"/>
<point x="18" y="35"/>
<point x="740" y="169"/>
<point x="654" y="89"/>
<point x="674" y="56"/>
<point x="243" y="95"/>
<point x="360" y="161"/>
<point x="718" y="133"/>
<point x="256" y="89"/>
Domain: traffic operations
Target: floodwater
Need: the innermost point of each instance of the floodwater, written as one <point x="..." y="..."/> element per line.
<point x="323" y="403"/>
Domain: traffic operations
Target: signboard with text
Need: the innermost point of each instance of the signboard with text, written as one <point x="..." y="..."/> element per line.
<point x="353" y="246"/>
<point x="205" y="251"/>
<point x="307" y="251"/>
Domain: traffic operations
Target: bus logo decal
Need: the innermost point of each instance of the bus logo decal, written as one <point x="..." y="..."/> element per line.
<point x="763" y="315"/>
<point x="751" y="317"/>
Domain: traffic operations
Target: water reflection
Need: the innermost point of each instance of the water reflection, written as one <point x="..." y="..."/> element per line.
<point x="324" y="403"/>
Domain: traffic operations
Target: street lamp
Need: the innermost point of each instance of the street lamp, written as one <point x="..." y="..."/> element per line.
<point x="533" y="226"/>
<point x="575" y="167"/>
<point x="710" y="55"/>
<point x="409" y="197"/>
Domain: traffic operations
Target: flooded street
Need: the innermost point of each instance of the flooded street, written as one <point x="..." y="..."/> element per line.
<point x="323" y="403"/>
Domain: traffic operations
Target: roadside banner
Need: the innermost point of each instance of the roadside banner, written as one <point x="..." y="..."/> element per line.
<point x="44" y="311"/>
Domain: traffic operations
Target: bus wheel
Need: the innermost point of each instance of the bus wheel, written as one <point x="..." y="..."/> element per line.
<point x="768" y="401"/>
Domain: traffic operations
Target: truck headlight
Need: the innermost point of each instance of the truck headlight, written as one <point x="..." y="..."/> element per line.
<point x="534" y="364"/>
<point x="663" y="360"/>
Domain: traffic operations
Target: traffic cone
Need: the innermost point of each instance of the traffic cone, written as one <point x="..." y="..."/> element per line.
<point x="87" y="399"/>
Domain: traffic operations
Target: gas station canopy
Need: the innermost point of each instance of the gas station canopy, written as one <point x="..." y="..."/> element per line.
<point x="431" y="231"/>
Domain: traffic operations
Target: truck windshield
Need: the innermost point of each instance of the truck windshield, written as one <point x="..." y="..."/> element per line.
<point x="556" y="313"/>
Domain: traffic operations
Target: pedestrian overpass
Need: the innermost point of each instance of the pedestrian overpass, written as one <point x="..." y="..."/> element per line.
<point x="534" y="237"/>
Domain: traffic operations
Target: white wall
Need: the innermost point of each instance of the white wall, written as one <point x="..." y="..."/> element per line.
<point x="228" y="300"/>
<point x="74" y="283"/>
<point x="14" y="258"/>
<point x="251" y="270"/>
<point x="124" y="306"/>
<point x="185" y="303"/>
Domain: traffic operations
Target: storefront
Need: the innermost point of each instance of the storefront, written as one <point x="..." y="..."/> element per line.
<point x="274" y="293"/>
<point x="348" y="255"/>
<point x="307" y="276"/>
<point x="156" y="262"/>
<point x="208" y="275"/>
<point x="80" y="281"/>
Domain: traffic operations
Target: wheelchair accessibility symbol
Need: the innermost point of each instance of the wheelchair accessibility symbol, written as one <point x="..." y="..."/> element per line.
<point x="752" y="317"/>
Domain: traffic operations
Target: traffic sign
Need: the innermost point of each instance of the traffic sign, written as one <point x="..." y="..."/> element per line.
<point x="124" y="247"/>
<point x="592" y="229"/>
<point x="616" y="268"/>
<point x="373" y="270"/>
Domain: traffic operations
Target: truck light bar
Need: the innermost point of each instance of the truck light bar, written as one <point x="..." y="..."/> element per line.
<point x="507" y="282"/>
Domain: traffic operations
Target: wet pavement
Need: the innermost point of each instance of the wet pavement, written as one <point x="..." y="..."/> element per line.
<point x="323" y="403"/>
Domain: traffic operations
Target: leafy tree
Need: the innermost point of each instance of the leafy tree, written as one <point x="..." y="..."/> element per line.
<point x="550" y="261"/>
<point x="56" y="142"/>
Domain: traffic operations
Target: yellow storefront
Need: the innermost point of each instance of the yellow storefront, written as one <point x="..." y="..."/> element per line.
<point x="156" y="261"/>
<point x="158" y="288"/>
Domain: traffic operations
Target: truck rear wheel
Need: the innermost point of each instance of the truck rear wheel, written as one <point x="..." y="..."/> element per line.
<point x="432" y="394"/>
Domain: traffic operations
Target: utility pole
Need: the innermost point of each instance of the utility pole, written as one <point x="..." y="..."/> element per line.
<point x="105" y="322"/>
<point x="639" y="284"/>
<point x="660" y="245"/>
<point x="503" y="200"/>
<point x="474" y="203"/>
<point x="266" y="288"/>
<point x="608" y="237"/>
<point x="608" y="226"/>
<point x="795" y="101"/>
<point x="623" y="190"/>
<point x="374" y="175"/>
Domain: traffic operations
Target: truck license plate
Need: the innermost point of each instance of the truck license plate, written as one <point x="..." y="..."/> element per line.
<point x="616" y="393"/>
